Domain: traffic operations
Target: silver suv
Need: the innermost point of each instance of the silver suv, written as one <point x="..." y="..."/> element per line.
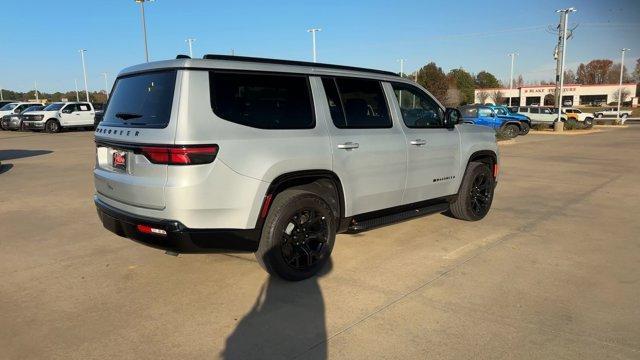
<point x="276" y="157"/>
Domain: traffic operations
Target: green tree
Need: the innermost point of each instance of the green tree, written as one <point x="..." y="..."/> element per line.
<point x="486" y="80"/>
<point x="465" y="83"/>
<point x="432" y="78"/>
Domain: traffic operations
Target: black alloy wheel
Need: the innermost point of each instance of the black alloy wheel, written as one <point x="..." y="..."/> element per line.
<point x="304" y="239"/>
<point x="481" y="194"/>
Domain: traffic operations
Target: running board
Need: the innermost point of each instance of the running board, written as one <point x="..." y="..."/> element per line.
<point x="367" y="224"/>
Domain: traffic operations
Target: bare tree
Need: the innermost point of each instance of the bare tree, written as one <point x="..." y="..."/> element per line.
<point x="453" y="97"/>
<point x="625" y="94"/>
<point x="497" y="96"/>
<point x="482" y="96"/>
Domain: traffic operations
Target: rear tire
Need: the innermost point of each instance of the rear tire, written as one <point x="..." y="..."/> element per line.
<point x="511" y="130"/>
<point x="525" y="129"/>
<point x="476" y="193"/>
<point x="52" y="126"/>
<point x="298" y="235"/>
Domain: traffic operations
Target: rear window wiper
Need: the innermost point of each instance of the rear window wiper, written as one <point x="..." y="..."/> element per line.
<point x="127" y="116"/>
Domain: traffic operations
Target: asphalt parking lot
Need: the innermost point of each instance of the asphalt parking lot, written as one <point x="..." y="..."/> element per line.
<point x="552" y="272"/>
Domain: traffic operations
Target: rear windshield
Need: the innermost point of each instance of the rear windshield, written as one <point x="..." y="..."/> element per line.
<point x="142" y="100"/>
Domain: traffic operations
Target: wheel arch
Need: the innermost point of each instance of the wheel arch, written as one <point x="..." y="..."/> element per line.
<point x="488" y="157"/>
<point x="324" y="183"/>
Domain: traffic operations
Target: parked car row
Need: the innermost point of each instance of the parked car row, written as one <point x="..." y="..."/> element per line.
<point x="51" y="118"/>
<point x="549" y="115"/>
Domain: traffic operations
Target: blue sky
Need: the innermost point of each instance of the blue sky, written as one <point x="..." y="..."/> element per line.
<point x="42" y="43"/>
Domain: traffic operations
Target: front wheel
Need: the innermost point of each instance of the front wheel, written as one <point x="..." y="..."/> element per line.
<point x="476" y="193"/>
<point x="298" y="235"/>
<point x="588" y="123"/>
<point x="525" y="129"/>
<point x="52" y="126"/>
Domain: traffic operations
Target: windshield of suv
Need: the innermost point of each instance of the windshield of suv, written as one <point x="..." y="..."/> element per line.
<point x="142" y="100"/>
<point x="33" y="108"/>
<point x="8" y="107"/>
<point x="54" y="107"/>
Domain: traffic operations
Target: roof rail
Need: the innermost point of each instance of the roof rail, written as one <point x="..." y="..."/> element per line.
<point x="294" y="62"/>
<point x="180" y="56"/>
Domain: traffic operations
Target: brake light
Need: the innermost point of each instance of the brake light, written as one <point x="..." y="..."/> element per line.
<point x="496" y="169"/>
<point x="181" y="155"/>
<point x="149" y="230"/>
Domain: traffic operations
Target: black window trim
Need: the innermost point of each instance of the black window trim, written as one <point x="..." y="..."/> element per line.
<point x="384" y="96"/>
<point x="428" y="95"/>
<point x="272" y="73"/>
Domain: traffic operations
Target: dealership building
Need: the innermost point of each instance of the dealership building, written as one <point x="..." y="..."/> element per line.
<point x="576" y="94"/>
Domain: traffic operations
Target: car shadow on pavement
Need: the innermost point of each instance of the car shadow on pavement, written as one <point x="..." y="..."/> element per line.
<point x="287" y="319"/>
<point x="5" y="167"/>
<point x="19" y="154"/>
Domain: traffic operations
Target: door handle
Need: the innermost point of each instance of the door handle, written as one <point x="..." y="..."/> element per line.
<point x="348" y="145"/>
<point x="418" y="142"/>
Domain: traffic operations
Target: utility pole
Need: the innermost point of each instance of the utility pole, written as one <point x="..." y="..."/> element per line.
<point x="190" y="41"/>
<point x="233" y="52"/>
<point x="564" y="19"/>
<point x="620" y="99"/>
<point x="1" y="96"/>
<point x="401" y="67"/>
<point x="513" y="55"/>
<point x="106" y="86"/>
<point x="313" y="37"/>
<point x="84" y="72"/>
<point x="77" y="94"/>
<point x="144" y="27"/>
<point x="35" y="86"/>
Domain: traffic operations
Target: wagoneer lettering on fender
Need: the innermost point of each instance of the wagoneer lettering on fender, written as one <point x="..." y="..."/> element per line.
<point x="276" y="157"/>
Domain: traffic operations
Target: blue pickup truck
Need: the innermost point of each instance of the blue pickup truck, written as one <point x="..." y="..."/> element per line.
<point x="484" y="115"/>
<point x="504" y="112"/>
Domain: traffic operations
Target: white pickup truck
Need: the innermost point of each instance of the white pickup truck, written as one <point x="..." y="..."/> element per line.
<point x="612" y="112"/>
<point x="59" y="115"/>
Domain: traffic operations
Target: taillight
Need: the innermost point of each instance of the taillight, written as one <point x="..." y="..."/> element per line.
<point x="151" y="230"/>
<point x="496" y="170"/>
<point x="181" y="155"/>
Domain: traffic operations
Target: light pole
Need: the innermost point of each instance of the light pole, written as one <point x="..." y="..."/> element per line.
<point x="106" y="86"/>
<point x="144" y="27"/>
<point x="84" y="73"/>
<point x="77" y="94"/>
<point x="401" y="66"/>
<point x="190" y="41"/>
<point x="513" y="55"/>
<point x="35" y="86"/>
<point x="313" y="37"/>
<point x="623" y="50"/>
<point x="559" y="126"/>
<point x="1" y="96"/>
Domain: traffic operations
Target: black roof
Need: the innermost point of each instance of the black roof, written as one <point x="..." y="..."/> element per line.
<point x="293" y="62"/>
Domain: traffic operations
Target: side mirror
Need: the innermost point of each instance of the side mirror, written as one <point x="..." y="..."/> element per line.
<point x="16" y="111"/>
<point x="451" y="117"/>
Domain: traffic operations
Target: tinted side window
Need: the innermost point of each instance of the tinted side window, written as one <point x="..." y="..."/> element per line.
<point x="70" y="108"/>
<point x="417" y="108"/>
<point x="469" y="112"/>
<point x="364" y="104"/>
<point x="262" y="101"/>
<point x="535" y="110"/>
<point x="485" y="112"/>
<point x="524" y="109"/>
<point x="84" y="107"/>
<point x="545" y="111"/>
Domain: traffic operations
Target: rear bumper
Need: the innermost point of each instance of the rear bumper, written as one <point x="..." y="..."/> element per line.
<point x="178" y="238"/>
